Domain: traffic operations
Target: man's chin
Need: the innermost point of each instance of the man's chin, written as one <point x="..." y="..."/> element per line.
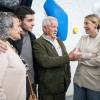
<point x="31" y="29"/>
<point x="54" y="37"/>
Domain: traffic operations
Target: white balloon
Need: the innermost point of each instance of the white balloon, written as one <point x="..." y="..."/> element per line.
<point x="96" y="8"/>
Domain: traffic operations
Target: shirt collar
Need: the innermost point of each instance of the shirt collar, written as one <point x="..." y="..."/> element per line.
<point x="48" y="38"/>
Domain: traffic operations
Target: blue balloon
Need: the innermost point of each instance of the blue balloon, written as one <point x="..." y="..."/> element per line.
<point x="53" y="9"/>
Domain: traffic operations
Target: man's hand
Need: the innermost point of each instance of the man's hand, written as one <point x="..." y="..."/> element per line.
<point x="74" y="56"/>
<point x="3" y="47"/>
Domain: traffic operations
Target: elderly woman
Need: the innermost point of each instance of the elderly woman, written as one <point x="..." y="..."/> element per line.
<point x="12" y="69"/>
<point x="87" y="76"/>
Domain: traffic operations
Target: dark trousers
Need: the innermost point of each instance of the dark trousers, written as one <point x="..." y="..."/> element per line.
<point x="81" y="93"/>
<point x="59" y="96"/>
<point x="28" y="89"/>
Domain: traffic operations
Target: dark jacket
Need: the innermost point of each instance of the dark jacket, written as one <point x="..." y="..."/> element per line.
<point x="18" y="46"/>
<point x="53" y="70"/>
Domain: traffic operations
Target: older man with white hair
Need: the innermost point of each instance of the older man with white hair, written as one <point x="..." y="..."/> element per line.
<point x="53" y="62"/>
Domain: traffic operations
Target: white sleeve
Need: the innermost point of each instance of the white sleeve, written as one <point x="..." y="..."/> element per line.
<point x="92" y="62"/>
<point x="84" y="55"/>
<point x="3" y="69"/>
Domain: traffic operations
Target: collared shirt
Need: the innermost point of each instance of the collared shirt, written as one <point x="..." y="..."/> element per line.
<point x="54" y="43"/>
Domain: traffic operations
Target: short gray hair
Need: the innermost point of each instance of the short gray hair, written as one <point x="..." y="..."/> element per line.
<point x="46" y="21"/>
<point x="6" y="23"/>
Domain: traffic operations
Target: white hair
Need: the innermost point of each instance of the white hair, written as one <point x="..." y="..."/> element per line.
<point x="46" y="21"/>
<point x="6" y="22"/>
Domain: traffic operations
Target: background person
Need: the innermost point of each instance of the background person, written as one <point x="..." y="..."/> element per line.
<point x="12" y="69"/>
<point x="87" y="76"/>
<point x="53" y="62"/>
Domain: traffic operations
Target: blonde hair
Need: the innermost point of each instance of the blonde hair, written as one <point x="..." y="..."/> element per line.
<point x="94" y="19"/>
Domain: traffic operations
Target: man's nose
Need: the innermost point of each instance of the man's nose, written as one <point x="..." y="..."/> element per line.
<point x="33" y="24"/>
<point x="56" y="30"/>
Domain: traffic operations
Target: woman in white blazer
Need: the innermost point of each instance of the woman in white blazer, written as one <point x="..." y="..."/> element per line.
<point x="87" y="76"/>
<point x="12" y="69"/>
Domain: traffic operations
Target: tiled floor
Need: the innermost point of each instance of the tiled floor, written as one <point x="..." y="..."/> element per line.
<point x="69" y="98"/>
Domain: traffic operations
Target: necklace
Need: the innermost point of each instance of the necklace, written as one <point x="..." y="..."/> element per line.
<point x="12" y="47"/>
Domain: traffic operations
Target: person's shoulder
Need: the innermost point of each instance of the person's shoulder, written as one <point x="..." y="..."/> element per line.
<point x="39" y="39"/>
<point x="84" y="36"/>
<point x="32" y="36"/>
<point x="7" y="52"/>
<point x="30" y="33"/>
<point x="58" y="39"/>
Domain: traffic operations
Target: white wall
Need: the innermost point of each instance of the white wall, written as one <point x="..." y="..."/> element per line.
<point x="76" y="10"/>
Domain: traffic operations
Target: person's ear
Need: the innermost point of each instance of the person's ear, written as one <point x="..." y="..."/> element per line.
<point x="96" y="25"/>
<point x="10" y="31"/>
<point x="20" y="21"/>
<point x="44" y="28"/>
